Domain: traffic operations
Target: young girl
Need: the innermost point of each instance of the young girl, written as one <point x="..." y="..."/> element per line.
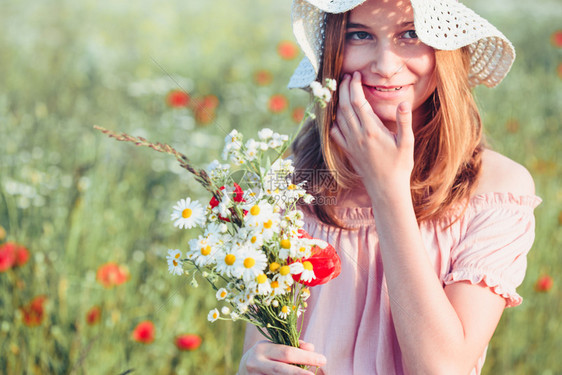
<point x="431" y="226"/>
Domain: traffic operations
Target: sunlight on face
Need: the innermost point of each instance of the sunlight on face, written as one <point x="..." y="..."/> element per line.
<point x="381" y="44"/>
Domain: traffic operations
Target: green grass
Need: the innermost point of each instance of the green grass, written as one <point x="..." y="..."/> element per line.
<point x="78" y="200"/>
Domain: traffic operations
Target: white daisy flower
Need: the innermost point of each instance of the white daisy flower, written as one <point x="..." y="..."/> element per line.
<point x="308" y="272"/>
<point x="284" y="312"/>
<point x="174" y="262"/>
<point x="251" y="149"/>
<point x="331" y="84"/>
<point x="258" y="213"/>
<point x="222" y="293"/>
<point x="234" y="315"/>
<point x="261" y="285"/>
<point x="188" y="214"/>
<point x="213" y="315"/>
<point x="230" y="262"/>
<point x="277" y="288"/>
<point x="254" y="263"/>
<point x="203" y="252"/>
<point x="285" y="273"/>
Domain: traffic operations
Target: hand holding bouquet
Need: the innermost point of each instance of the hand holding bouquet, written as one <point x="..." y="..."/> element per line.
<point x="253" y="249"/>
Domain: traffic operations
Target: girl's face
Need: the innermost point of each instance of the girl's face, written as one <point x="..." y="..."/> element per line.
<point x="381" y="44"/>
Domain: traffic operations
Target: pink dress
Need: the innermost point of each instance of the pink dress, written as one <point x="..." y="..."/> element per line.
<point x="349" y="319"/>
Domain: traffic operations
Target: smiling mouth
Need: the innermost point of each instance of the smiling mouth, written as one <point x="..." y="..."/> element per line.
<point x="387" y="89"/>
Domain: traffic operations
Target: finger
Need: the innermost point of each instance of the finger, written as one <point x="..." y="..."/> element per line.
<point x="337" y="135"/>
<point x="367" y="118"/>
<point x="306" y="345"/>
<point x="289" y="354"/>
<point x="405" y="136"/>
<point x="345" y="115"/>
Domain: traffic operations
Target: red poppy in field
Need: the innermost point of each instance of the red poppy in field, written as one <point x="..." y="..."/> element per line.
<point x="278" y="103"/>
<point x="298" y="114"/>
<point x="556" y="38"/>
<point x="209" y="101"/>
<point x="178" y="99"/>
<point x="544" y="283"/>
<point x="22" y="256"/>
<point x="34" y="312"/>
<point x="7" y="256"/>
<point x="204" y="116"/>
<point x="512" y="126"/>
<point x="263" y="77"/>
<point x="188" y="342"/>
<point x="144" y="332"/>
<point x="93" y="316"/>
<point x="287" y="50"/>
<point x="112" y="274"/>
<point x="325" y="263"/>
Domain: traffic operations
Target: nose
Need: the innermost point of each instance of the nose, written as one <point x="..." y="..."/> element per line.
<point x="386" y="62"/>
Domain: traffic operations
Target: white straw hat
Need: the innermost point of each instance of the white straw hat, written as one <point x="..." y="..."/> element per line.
<point x="441" y="24"/>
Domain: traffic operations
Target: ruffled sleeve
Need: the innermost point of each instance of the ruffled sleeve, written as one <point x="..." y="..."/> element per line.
<point x="499" y="232"/>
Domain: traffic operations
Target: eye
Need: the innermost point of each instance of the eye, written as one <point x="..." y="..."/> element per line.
<point x="410" y="34"/>
<point x="358" y="35"/>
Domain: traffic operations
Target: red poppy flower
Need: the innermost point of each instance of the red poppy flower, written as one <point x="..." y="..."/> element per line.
<point x="204" y="116"/>
<point x="22" y="256"/>
<point x="7" y="256"/>
<point x="298" y="114"/>
<point x="144" y="332"/>
<point x="34" y="312"/>
<point x="188" y="342"/>
<point x="512" y="125"/>
<point x="111" y="274"/>
<point x="237" y="196"/>
<point x="178" y="99"/>
<point x="278" y="103"/>
<point x="544" y="283"/>
<point x="326" y="263"/>
<point x="556" y="38"/>
<point x="93" y="316"/>
<point x="287" y="50"/>
<point x="209" y="102"/>
<point x="263" y="77"/>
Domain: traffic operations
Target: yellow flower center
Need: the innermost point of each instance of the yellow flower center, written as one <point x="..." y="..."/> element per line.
<point x="261" y="278"/>
<point x="223" y="294"/>
<point x="177" y="255"/>
<point x="268" y="224"/>
<point x="291" y="187"/>
<point x="215" y="315"/>
<point x="253" y="239"/>
<point x="186" y="213"/>
<point x="175" y="262"/>
<point x="285" y="309"/>
<point x="206" y="250"/>
<point x="249" y="262"/>
<point x="274" y="266"/>
<point x="255" y="210"/>
<point x="307" y="265"/>
<point x="302" y="249"/>
<point x="284" y="271"/>
<point x="275" y="284"/>
<point x="285" y="244"/>
<point x="229" y="259"/>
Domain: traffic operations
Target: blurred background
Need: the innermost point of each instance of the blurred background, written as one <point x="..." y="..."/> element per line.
<point x="84" y="221"/>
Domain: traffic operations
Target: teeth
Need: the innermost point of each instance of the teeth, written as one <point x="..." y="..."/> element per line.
<point x="387" y="90"/>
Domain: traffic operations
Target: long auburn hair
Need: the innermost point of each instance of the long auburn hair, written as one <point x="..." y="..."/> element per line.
<point x="447" y="149"/>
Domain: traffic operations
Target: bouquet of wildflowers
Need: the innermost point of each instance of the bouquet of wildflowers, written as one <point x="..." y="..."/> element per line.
<point x="252" y="249"/>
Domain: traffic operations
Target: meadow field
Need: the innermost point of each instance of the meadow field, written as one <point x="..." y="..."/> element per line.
<point x="90" y="218"/>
